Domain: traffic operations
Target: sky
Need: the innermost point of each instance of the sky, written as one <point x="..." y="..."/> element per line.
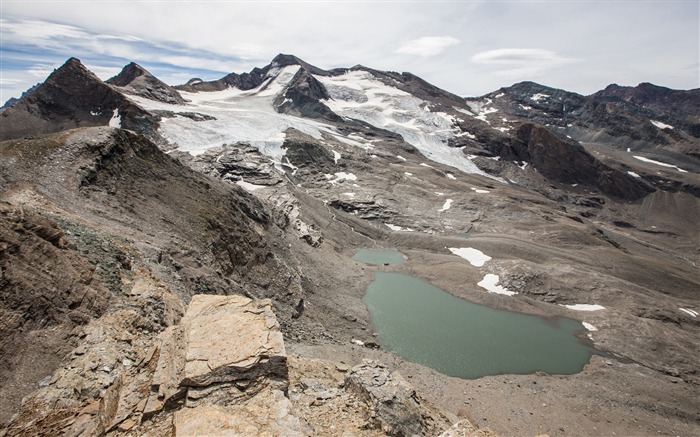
<point x="466" y="47"/>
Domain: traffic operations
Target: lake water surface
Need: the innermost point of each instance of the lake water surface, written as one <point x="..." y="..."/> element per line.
<point x="427" y="325"/>
<point x="379" y="256"/>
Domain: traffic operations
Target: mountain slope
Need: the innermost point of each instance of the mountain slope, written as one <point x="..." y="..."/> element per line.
<point x="72" y="96"/>
<point x="134" y="79"/>
<point x="294" y="169"/>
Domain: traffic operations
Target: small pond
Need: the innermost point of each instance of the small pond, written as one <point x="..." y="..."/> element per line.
<point x="427" y="325"/>
<point x="379" y="256"/>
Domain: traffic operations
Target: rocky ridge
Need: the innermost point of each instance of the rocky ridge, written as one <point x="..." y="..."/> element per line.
<point x="565" y="222"/>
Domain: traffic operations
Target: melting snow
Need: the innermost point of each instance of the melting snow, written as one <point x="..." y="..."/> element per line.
<point x="475" y="257"/>
<point x="359" y="95"/>
<point x="584" y="307"/>
<point x="401" y="157"/>
<point x="537" y="97"/>
<point x="465" y="134"/>
<point x="451" y="176"/>
<point x="691" y="313"/>
<point x="446" y="206"/>
<point x="248" y="186"/>
<point x="336" y="156"/>
<point x="407" y="173"/>
<point x="95" y="113"/>
<point x="439" y="193"/>
<point x="589" y="326"/>
<point x="477" y="190"/>
<point x="116" y="120"/>
<point x="633" y="174"/>
<point x="340" y="176"/>
<point x="663" y="164"/>
<point x="661" y="125"/>
<point x="490" y="283"/>
<point x="397" y="228"/>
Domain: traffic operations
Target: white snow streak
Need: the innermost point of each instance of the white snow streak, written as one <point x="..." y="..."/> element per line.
<point x="477" y="190"/>
<point x="336" y="156"/>
<point x="663" y="164"/>
<point x="661" y="125"/>
<point x="691" y="313"/>
<point x="584" y="307"/>
<point x="633" y="174"/>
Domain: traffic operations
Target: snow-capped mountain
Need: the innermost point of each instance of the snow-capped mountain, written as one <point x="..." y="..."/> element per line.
<point x="127" y="197"/>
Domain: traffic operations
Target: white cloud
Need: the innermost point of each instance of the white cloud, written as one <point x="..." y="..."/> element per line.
<point x="428" y="45"/>
<point x="522" y="62"/>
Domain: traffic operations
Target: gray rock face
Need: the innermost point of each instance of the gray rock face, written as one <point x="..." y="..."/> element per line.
<point x="72" y="96"/>
<point x="394" y="402"/>
<point x="134" y="79"/>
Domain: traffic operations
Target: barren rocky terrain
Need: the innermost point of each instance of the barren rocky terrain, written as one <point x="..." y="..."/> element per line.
<point x="110" y="238"/>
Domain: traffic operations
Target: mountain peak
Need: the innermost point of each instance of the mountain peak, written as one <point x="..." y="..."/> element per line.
<point x="130" y="72"/>
<point x="134" y="79"/>
<point x="284" y="60"/>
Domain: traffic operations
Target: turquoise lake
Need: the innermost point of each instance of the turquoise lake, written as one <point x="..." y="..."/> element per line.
<point x="427" y="325"/>
<point x="379" y="256"/>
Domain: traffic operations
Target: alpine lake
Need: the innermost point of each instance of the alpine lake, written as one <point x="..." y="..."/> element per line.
<point x="427" y="325"/>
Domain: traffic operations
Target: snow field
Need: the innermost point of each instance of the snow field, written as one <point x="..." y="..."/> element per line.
<point x="475" y="257"/>
<point x="359" y="95"/>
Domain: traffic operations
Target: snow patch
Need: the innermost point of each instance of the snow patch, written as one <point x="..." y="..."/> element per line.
<point x="539" y="96"/>
<point x="589" y="327"/>
<point x="490" y="283"/>
<point x="407" y="173"/>
<point x="475" y="257"/>
<point x="446" y="206"/>
<point x="116" y="120"/>
<point x="661" y="125"/>
<point x="397" y="228"/>
<point x="480" y="191"/>
<point x="336" y="156"/>
<point x="248" y="186"/>
<point x="450" y="176"/>
<point x="584" y="307"/>
<point x="691" y="313"/>
<point x="633" y="174"/>
<point x="401" y="157"/>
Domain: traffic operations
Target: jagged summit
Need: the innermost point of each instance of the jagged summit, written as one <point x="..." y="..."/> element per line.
<point x="283" y="60"/>
<point x="134" y="79"/>
<point x="72" y="96"/>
